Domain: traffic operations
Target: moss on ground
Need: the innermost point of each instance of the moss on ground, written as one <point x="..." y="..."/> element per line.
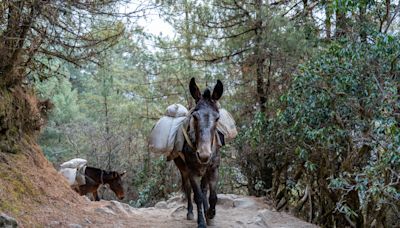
<point x="15" y="187"/>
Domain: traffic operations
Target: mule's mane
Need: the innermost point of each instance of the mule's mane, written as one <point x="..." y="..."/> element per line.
<point x="207" y="94"/>
<point x="202" y="104"/>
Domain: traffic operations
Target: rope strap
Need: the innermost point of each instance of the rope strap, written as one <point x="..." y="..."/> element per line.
<point x="185" y="134"/>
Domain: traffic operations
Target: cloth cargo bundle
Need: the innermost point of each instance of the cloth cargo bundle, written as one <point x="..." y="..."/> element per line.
<point x="74" y="171"/>
<point x="163" y="135"/>
<point x="176" y="110"/>
<point x="70" y="175"/>
<point x="226" y="125"/>
<point x="74" y="163"/>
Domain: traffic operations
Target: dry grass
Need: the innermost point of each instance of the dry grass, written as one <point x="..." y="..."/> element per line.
<point x="31" y="190"/>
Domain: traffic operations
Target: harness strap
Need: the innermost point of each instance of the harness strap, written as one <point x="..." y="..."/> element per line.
<point x="91" y="179"/>
<point x="181" y="155"/>
<point x="185" y="134"/>
<point x="86" y="176"/>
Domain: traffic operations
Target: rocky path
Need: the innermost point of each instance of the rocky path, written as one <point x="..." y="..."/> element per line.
<point x="232" y="211"/>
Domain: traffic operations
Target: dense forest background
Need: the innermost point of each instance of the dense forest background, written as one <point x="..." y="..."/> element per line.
<point x="313" y="85"/>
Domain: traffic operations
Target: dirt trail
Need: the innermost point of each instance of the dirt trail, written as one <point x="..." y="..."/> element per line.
<point x="232" y="211"/>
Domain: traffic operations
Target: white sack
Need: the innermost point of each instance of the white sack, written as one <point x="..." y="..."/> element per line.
<point x="163" y="134"/>
<point x="226" y="125"/>
<point x="70" y="175"/>
<point x="74" y="163"/>
<point x="176" y="110"/>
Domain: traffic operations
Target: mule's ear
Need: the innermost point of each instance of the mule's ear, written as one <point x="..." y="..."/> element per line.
<point x="194" y="90"/>
<point x="218" y="90"/>
<point x="123" y="173"/>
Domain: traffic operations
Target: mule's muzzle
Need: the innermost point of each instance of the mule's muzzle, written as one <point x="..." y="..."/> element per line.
<point x="203" y="158"/>
<point x="203" y="152"/>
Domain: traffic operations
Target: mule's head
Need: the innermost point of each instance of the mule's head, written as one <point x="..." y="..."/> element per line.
<point x="116" y="184"/>
<point x="205" y="117"/>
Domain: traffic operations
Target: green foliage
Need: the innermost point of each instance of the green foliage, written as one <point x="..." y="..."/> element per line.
<point x="65" y="112"/>
<point x="63" y="96"/>
<point x="156" y="185"/>
<point x="340" y="110"/>
<point x="336" y="122"/>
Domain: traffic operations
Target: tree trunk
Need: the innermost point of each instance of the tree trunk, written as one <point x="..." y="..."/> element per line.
<point x="362" y="21"/>
<point x="328" y="23"/>
<point x="262" y="88"/>
<point x="341" y="22"/>
<point x="19" y="21"/>
<point x="260" y="59"/>
<point x="188" y="50"/>
<point x="107" y="132"/>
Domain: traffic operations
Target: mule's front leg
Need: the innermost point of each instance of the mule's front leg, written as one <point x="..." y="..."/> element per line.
<point x="186" y="186"/>
<point x="188" y="193"/>
<point x="204" y="189"/>
<point x="96" y="196"/>
<point x="198" y="199"/>
<point x="213" y="181"/>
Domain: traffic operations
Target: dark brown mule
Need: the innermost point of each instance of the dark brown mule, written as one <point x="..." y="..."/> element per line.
<point x="199" y="169"/>
<point x="94" y="177"/>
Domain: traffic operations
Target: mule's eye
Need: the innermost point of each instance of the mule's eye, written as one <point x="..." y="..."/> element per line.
<point x="217" y="118"/>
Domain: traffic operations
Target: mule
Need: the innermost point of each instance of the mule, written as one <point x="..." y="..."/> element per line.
<point x="199" y="165"/>
<point x="94" y="177"/>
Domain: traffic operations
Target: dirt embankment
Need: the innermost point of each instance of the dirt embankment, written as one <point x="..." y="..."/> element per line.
<point x="34" y="194"/>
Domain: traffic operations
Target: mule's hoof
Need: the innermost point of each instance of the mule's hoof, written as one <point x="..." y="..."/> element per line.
<point x="210" y="213"/>
<point x="189" y="216"/>
<point x="210" y="222"/>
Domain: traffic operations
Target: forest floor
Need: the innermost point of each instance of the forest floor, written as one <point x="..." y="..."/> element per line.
<point x="32" y="192"/>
